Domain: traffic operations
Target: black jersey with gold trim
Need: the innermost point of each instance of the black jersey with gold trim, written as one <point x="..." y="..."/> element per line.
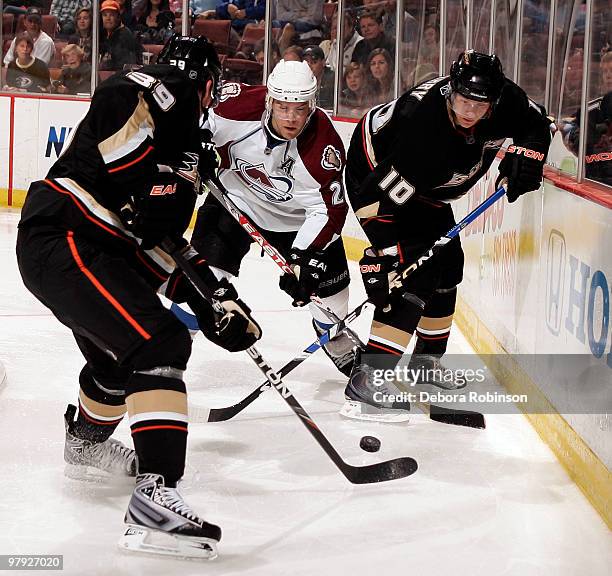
<point x="140" y="123"/>
<point x="410" y="147"/>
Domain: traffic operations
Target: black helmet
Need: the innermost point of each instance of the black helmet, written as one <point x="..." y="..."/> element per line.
<point x="477" y="76"/>
<point x="196" y="57"/>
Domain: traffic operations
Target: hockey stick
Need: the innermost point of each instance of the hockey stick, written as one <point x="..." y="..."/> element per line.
<point x="437" y="413"/>
<point x="219" y="191"/>
<point x="379" y="472"/>
<point x="200" y="414"/>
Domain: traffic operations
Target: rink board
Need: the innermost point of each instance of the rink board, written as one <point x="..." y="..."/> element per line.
<point x="536" y="278"/>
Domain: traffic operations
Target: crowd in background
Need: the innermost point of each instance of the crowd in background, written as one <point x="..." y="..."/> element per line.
<point x="47" y="47"/>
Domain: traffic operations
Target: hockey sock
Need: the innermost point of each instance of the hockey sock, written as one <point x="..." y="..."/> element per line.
<point x="391" y="331"/>
<point x="435" y="325"/>
<point x="157" y="406"/>
<point x="387" y="340"/>
<point x="101" y="408"/>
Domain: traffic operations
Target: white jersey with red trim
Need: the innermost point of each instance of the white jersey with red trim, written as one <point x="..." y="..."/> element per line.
<point x="282" y="185"/>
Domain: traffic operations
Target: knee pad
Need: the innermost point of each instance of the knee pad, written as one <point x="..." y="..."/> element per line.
<point x="442" y="303"/>
<point x="405" y="313"/>
<point x="103" y="388"/>
<point x="170" y="347"/>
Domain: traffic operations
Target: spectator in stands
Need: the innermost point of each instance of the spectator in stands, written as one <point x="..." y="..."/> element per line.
<point x="64" y="11"/>
<point x="118" y="45"/>
<point x="299" y="20"/>
<point x="240" y="12"/>
<point x="605" y="71"/>
<point x="424" y="72"/>
<point x="388" y="11"/>
<point x="25" y="73"/>
<point x="372" y="29"/>
<point x="19" y="7"/>
<point x="198" y="7"/>
<point x="82" y="38"/>
<point x="598" y="151"/>
<point x="351" y="38"/>
<point x="176" y="6"/>
<point x="156" y="24"/>
<point x="127" y="17"/>
<point x="44" y="48"/>
<point x="259" y="51"/>
<point x="76" y="74"/>
<point x="429" y="50"/>
<point x="295" y="53"/>
<point x="354" y="99"/>
<point x="315" y="58"/>
<point x="572" y="89"/>
<point x="380" y="76"/>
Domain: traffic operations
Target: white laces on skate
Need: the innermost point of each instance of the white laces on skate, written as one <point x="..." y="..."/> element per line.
<point x="170" y="498"/>
<point x="112" y="455"/>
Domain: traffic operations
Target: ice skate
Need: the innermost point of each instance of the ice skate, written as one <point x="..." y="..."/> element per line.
<point x="160" y="522"/>
<point x="87" y="460"/>
<point x="366" y="400"/>
<point x="428" y="369"/>
<point x="340" y="350"/>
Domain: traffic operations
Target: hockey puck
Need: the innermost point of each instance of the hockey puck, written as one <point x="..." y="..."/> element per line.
<point x="369" y="444"/>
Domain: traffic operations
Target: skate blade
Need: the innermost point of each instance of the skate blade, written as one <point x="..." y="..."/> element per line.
<point x="144" y="540"/>
<point x="362" y="411"/>
<point x="85" y="473"/>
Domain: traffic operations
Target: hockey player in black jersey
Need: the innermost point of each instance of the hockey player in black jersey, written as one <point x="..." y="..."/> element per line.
<point x="135" y="156"/>
<point x="407" y="160"/>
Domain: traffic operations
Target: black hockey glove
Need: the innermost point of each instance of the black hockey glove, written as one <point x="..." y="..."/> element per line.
<point x="236" y="329"/>
<point x="523" y="168"/>
<point x="308" y="266"/>
<point x="375" y="272"/>
<point x="208" y="158"/>
<point x="164" y="210"/>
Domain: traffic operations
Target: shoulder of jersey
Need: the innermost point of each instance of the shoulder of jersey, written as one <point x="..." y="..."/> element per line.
<point x="173" y="79"/>
<point x="241" y="101"/>
<point x="321" y="149"/>
<point x="513" y="99"/>
<point x="434" y="88"/>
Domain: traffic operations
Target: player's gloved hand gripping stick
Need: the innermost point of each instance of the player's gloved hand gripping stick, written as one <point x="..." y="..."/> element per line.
<point x="217" y="189"/>
<point x="379" y="472"/>
<point x="437" y="413"/>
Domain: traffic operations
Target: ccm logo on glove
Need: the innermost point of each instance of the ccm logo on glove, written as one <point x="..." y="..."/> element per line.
<point x="526" y="152"/>
<point x="162" y="190"/>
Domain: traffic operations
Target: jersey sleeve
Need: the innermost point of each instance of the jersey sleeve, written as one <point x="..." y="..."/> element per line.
<point x="323" y="156"/>
<point x="528" y="124"/>
<point x="238" y="103"/>
<point x="141" y="131"/>
<point x="375" y="169"/>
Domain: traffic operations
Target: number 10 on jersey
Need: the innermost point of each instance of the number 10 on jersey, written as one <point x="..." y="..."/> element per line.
<point x="400" y="191"/>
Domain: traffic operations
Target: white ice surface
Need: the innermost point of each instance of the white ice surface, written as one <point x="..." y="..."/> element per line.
<point x="492" y="502"/>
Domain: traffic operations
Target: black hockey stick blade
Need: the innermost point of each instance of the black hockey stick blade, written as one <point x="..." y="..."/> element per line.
<point x="227" y="413"/>
<point x="381" y="471"/>
<point x="457" y="417"/>
<point x="370" y="474"/>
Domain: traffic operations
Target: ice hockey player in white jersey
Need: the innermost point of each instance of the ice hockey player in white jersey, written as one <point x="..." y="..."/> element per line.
<point x="281" y="161"/>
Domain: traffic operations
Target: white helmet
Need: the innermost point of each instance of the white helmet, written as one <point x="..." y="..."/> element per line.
<point x="292" y="81"/>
